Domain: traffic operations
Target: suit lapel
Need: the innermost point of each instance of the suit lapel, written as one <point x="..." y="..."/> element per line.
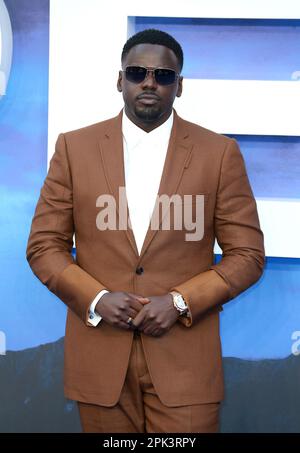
<point x="177" y="159"/>
<point x="111" y="148"/>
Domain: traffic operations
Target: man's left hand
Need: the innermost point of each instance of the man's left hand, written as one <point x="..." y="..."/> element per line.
<point x="156" y="317"/>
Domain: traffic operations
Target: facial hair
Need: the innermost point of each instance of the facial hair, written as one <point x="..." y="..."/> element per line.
<point x="148" y="113"/>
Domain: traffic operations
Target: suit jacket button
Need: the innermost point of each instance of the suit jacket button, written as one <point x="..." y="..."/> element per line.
<point x="139" y="270"/>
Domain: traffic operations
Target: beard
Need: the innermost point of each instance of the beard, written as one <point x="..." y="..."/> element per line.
<point x="148" y="113"/>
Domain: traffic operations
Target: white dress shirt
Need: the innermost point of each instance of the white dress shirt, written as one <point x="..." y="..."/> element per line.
<point x="144" y="157"/>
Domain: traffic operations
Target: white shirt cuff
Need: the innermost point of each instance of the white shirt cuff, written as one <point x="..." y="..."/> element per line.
<point x="95" y="318"/>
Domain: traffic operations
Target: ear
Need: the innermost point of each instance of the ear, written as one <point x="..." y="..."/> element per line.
<point x="179" y="89"/>
<point x="119" y="82"/>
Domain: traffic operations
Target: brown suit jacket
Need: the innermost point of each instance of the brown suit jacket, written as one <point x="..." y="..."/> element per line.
<point x="186" y="363"/>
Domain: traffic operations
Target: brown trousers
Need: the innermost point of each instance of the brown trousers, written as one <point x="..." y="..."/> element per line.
<point x="139" y="410"/>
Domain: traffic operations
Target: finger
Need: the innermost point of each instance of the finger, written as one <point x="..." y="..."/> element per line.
<point x="143" y="300"/>
<point x="157" y="332"/>
<point x="149" y="330"/>
<point x="139" y="319"/>
<point x="124" y="325"/>
<point x="145" y="324"/>
<point x="138" y="297"/>
<point x="128" y="318"/>
<point x="135" y="304"/>
<point x="130" y="312"/>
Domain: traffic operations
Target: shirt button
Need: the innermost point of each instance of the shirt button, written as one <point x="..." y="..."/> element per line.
<point x="139" y="270"/>
<point x="91" y="316"/>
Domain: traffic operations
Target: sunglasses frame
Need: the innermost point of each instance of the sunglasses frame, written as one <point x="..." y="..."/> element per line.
<point x="152" y="71"/>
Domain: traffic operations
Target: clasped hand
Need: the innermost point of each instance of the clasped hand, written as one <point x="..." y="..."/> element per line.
<point x="153" y="315"/>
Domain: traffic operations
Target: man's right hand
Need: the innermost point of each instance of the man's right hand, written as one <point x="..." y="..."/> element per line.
<point x="116" y="307"/>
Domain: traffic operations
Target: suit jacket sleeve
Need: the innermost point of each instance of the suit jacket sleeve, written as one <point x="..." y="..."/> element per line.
<point x="239" y="235"/>
<point x="49" y="248"/>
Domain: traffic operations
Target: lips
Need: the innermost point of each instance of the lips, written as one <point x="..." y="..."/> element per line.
<point x="148" y="98"/>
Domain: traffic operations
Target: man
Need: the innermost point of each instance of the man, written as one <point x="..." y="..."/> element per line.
<point x="142" y="344"/>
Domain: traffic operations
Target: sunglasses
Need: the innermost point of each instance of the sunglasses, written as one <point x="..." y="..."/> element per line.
<point x="163" y="76"/>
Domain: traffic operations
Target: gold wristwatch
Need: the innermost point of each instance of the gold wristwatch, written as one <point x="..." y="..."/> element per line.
<point x="179" y="303"/>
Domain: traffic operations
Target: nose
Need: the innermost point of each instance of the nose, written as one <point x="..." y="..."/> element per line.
<point x="149" y="81"/>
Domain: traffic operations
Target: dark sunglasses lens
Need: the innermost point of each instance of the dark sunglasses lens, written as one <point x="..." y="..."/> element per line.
<point x="135" y="74"/>
<point x="165" y="76"/>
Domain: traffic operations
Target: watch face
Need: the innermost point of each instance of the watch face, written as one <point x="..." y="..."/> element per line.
<point x="180" y="302"/>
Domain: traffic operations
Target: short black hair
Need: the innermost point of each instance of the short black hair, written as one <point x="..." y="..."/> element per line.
<point x="153" y="36"/>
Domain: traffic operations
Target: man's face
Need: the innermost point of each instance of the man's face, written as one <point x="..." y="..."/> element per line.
<point x="149" y="104"/>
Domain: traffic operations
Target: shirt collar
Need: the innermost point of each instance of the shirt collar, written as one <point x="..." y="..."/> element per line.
<point x="134" y="134"/>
